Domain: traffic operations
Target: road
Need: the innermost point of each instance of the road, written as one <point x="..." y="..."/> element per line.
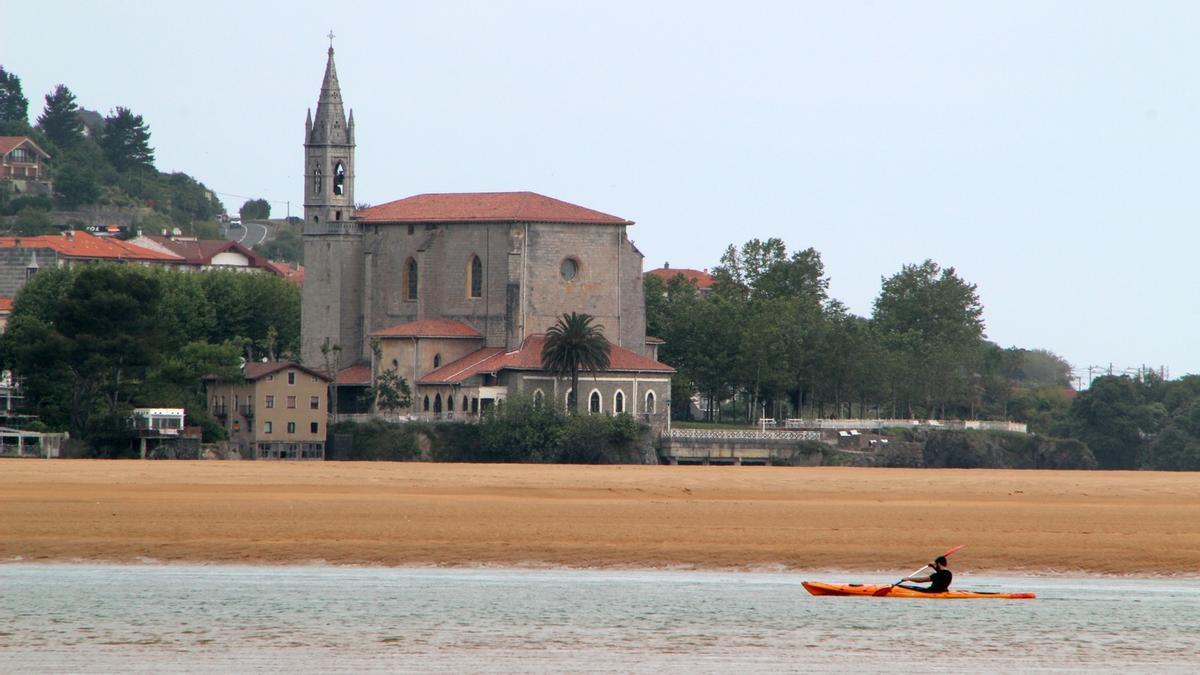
<point x="249" y="234"/>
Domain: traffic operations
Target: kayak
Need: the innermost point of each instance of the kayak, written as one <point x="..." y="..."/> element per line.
<point x="884" y="591"/>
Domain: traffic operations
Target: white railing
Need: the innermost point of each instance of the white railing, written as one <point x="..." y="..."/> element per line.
<point x="740" y="435"/>
<point x="858" y="424"/>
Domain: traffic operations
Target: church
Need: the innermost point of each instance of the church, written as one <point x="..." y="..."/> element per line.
<point x="456" y="291"/>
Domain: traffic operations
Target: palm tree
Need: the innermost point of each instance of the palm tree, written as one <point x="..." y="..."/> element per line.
<point x="574" y="344"/>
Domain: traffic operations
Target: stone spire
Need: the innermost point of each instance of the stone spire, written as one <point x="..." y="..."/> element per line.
<point x="329" y="124"/>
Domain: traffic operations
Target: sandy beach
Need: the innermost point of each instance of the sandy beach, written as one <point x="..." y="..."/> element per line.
<point x="613" y="516"/>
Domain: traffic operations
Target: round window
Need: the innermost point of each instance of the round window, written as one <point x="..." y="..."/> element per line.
<point x="569" y="269"/>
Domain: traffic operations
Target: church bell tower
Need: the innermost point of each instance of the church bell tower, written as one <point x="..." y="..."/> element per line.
<point x="331" y="311"/>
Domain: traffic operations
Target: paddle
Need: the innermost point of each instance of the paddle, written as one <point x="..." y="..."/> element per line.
<point x="888" y="589"/>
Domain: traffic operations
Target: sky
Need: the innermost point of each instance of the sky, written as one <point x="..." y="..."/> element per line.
<point x="1048" y="151"/>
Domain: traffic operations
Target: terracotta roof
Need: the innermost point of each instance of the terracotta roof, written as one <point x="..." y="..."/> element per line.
<point x="291" y="273"/>
<point x="356" y="374"/>
<point x="703" y="279"/>
<point x="488" y="207"/>
<point x="5" y="303"/>
<point x="202" y="251"/>
<point x="429" y="328"/>
<point x="256" y="370"/>
<point x="529" y="357"/>
<point x="80" y="244"/>
<point x="10" y="143"/>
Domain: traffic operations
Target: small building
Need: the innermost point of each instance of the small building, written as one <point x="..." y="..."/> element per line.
<point x="207" y="254"/>
<point x="21" y="164"/>
<point x="161" y="432"/>
<point x="701" y="278"/>
<point x="23" y="257"/>
<point x="276" y="410"/>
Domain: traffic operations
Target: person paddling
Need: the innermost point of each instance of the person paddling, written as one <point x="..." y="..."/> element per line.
<point x="939" y="580"/>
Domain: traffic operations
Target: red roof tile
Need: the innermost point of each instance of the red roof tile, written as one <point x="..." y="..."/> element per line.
<point x="354" y="375"/>
<point x="429" y="328"/>
<point x="529" y="357"/>
<point x="703" y="279"/>
<point x="494" y="207"/>
<point x="10" y="143"/>
<point x="80" y="244"/>
<point x="292" y="273"/>
<point x="256" y="370"/>
<point x="202" y="251"/>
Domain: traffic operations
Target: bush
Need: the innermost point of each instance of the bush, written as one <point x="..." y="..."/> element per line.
<point x="376" y="440"/>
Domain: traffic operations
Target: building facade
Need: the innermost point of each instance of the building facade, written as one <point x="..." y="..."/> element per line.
<point x="455" y="290"/>
<point x="276" y="410"/>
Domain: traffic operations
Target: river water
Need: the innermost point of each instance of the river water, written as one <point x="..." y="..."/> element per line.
<point x="179" y="618"/>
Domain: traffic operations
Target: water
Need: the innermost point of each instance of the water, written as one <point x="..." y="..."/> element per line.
<point x="98" y="618"/>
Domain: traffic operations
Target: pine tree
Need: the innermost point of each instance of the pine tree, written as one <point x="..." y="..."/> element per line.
<point x="13" y="104"/>
<point x="126" y="141"/>
<point x="60" y="118"/>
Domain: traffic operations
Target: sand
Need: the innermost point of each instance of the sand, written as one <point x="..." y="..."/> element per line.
<point x="1138" y="523"/>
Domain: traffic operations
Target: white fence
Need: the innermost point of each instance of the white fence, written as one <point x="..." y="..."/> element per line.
<point x="859" y="424"/>
<point x="740" y="435"/>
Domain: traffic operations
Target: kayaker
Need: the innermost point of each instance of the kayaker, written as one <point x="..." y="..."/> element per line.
<point x="939" y="579"/>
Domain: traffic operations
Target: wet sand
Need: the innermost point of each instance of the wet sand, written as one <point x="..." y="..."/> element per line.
<point x="1137" y="523"/>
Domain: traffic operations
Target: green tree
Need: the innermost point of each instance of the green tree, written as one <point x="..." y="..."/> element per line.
<point x="14" y="107"/>
<point x="255" y="209"/>
<point x="286" y="245"/>
<point x="126" y="141"/>
<point x="389" y="392"/>
<point x="60" y="118"/>
<point x="1113" y="418"/>
<point x="31" y="222"/>
<point x="76" y="185"/>
<point x="574" y="344"/>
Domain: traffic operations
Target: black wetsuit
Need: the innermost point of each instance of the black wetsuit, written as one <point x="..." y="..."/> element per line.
<point x="939" y="581"/>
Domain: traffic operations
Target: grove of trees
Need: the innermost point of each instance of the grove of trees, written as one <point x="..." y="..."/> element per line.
<point x="111" y="164"/>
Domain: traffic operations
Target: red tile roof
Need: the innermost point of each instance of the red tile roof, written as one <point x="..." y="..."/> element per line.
<point x="10" y="143"/>
<point x="255" y="370"/>
<point x="703" y="279"/>
<point x="80" y="244"/>
<point x="529" y="357"/>
<point x="293" y="273"/>
<point x="429" y="328"/>
<point x="202" y="251"/>
<point x="487" y="207"/>
<point x="354" y="375"/>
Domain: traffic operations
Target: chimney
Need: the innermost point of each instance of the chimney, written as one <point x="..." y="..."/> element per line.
<point x="666" y="266"/>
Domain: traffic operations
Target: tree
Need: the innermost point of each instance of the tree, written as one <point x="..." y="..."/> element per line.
<point x="14" y="107"/>
<point x="76" y="185"/>
<point x="255" y="209"/>
<point x="126" y="141"/>
<point x="931" y="322"/>
<point x="389" y="392"/>
<point x="1112" y="417"/>
<point x="60" y="118"/>
<point x="286" y="245"/>
<point x="574" y="344"/>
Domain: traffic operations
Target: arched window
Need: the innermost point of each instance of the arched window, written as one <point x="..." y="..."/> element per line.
<point x="619" y="402"/>
<point x="316" y="177"/>
<point x="465" y="403"/>
<point x="474" y="406"/>
<point x="539" y="398"/>
<point x="410" y="279"/>
<point x="475" y="278"/>
<point x="569" y="399"/>
<point x="437" y="360"/>
<point x="594" y="402"/>
<point x="449" y="404"/>
<point x="426" y="408"/>
<point x="339" y="179"/>
<point x="649" y="402"/>
<point x="437" y="403"/>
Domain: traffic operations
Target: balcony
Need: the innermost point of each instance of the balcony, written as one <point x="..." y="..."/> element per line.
<point x="220" y="412"/>
<point x="247" y="411"/>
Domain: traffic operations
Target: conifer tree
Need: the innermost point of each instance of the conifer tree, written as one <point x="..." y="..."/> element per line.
<point x="14" y="107"/>
<point x="126" y="140"/>
<point x="60" y="118"/>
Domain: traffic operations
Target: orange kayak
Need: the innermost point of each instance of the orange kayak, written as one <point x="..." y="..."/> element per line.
<point x="877" y="591"/>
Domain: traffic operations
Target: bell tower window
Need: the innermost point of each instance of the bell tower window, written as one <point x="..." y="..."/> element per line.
<point x="410" y="280"/>
<point x="475" y="275"/>
<point x="339" y="179"/>
<point x="317" y="178"/>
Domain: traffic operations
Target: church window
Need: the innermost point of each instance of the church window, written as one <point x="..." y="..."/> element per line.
<point x="396" y="364"/>
<point x="337" y="215"/>
<point x="569" y="269"/>
<point x="594" y="402"/>
<point x="316" y="219"/>
<point x="619" y="402"/>
<point x="437" y="403"/>
<point x="339" y="179"/>
<point x="474" y="406"/>
<point x="538" y="398"/>
<point x="426" y="406"/>
<point x="449" y="404"/>
<point x="410" y="279"/>
<point x="412" y="228"/>
<point x="437" y="360"/>
<point x="569" y="399"/>
<point x="475" y="278"/>
<point x="317" y="178"/>
<point x="649" y="403"/>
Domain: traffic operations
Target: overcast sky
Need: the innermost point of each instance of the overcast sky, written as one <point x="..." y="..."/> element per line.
<point x="1048" y="151"/>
